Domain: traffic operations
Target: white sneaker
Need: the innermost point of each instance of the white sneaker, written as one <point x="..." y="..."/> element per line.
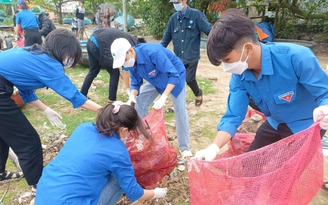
<point x="186" y="154"/>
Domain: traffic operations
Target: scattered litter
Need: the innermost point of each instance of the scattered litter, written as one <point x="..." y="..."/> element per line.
<point x="181" y="167"/>
<point x="45" y="126"/>
<point x="213" y="78"/>
<point x="25" y="198"/>
<point x="62" y="126"/>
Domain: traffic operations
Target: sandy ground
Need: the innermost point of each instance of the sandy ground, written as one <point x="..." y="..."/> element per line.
<point x="217" y="103"/>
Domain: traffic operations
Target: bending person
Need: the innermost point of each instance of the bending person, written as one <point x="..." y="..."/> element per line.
<point x="94" y="165"/>
<point x="98" y="47"/>
<point x="164" y="73"/>
<point x="29" y="69"/>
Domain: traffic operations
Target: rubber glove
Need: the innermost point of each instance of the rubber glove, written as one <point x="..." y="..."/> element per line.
<point x="128" y="91"/>
<point x="132" y="99"/>
<point x="53" y="117"/>
<point x="159" y="193"/>
<point x="321" y="110"/>
<point x="209" y="153"/>
<point x="160" y="102"/>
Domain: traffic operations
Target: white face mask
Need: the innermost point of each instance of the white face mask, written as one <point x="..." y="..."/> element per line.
<point x="237" y="67"/>
<point x="129" y="63"/>
<point x="178" y="7"/>
<point x="68" y="62"/>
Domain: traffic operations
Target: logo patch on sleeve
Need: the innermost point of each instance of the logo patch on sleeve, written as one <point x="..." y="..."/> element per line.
<point x="286" y="96"/>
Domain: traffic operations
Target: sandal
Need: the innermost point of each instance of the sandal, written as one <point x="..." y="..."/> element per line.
<point x="9" y="176"/>
<point x="198" y="103"/>
<point x="325" y="186"/>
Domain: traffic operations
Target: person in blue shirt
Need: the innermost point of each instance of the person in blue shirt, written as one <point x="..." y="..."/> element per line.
<point x="184" y="29"/>
<point x="29" y="22"/>
<point x="94" y="165"/>
<point x="29" y="69"/>
<point x="164" y="73"/>
<point x="284" y="80"/>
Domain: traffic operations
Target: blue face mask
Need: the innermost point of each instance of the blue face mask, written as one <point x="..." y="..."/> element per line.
<point x="178" y="7"/>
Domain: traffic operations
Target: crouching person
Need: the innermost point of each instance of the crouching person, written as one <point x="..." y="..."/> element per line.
<point x="94" y="166"/>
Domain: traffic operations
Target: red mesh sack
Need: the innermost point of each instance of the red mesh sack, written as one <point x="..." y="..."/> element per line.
<point x="152" y="160"/>
<point x="240" y="143"/>
<point x="289" y="171"/>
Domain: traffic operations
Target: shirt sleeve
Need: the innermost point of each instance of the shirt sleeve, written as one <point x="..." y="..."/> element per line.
<point x="123" y="171"/>
<point x="237" y="104"/>
<point x="27" y="95"/>
<point x="65" y="88"/>
<point x="310" y="74"/>
<point x="164" y="65"/>
<point x="167" y="37"/>
<point x="136" y="81"/>
<point x="203" y="23"/>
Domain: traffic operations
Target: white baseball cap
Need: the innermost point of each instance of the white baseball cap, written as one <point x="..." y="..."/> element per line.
<point x="118" y="49"/>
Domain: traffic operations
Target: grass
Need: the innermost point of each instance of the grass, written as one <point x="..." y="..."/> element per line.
<point x="73" y="117"/>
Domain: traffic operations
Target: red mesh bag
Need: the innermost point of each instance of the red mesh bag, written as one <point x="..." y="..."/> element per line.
<point x="289" y="171"/>
<point x="152" y="160"/>
<point x="241" y="141"/>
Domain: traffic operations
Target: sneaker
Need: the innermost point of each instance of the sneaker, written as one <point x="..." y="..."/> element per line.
<point x="186" y="154"/>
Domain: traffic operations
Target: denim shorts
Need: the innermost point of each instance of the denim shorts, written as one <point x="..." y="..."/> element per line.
<point x="80" y="23"/>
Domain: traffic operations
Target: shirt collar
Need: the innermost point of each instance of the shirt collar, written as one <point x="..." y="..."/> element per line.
<point x="266" y="65"/>
<point x="181" y="16"/>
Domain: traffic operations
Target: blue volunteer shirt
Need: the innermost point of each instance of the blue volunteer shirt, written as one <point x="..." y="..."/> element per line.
<point x="159" y="66"/>
<point x="82" y="168"/>
<point x="29" y="71"/>
<point x="27" y="19"/>
<point x="290" y="86"/>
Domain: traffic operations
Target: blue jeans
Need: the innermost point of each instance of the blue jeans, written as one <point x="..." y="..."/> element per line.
<point x="111" y="192"/>
<point x="147" y="96"/>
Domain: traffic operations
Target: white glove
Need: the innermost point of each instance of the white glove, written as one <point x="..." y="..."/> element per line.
<point x="53" y="117"/>
<point x="160" y="102"/>
<point x="209" y="153"/>
<point x="321" y="110"/>
<point x="159" y="193"/>
<point x="132" y="98"/>
<point x="128" y="91"/>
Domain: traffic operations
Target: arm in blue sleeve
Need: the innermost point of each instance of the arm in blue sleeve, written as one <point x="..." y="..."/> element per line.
<point x="203" y="23"/>
<point x="123" y="171"/>
<point x="164" y="65"/>
<point x="310" y="74"/>
<point x="136" y="81"/>
<point x="65" y="88"/>
<point x="237" y="105"/>
<point x="27" y="95"/>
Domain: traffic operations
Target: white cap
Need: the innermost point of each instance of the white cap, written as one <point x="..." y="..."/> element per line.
<point x="118" y="49"/>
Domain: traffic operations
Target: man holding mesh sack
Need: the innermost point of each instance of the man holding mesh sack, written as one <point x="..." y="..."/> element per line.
<point x="284" y="80"/>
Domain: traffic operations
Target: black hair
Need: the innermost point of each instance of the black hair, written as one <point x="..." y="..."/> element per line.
<point x="62" y="43"/>
<point x="59" y="44"/>
<point x="107" y="122"/>
<point x="232" y="27"/>
<point x="23" y="5"/>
